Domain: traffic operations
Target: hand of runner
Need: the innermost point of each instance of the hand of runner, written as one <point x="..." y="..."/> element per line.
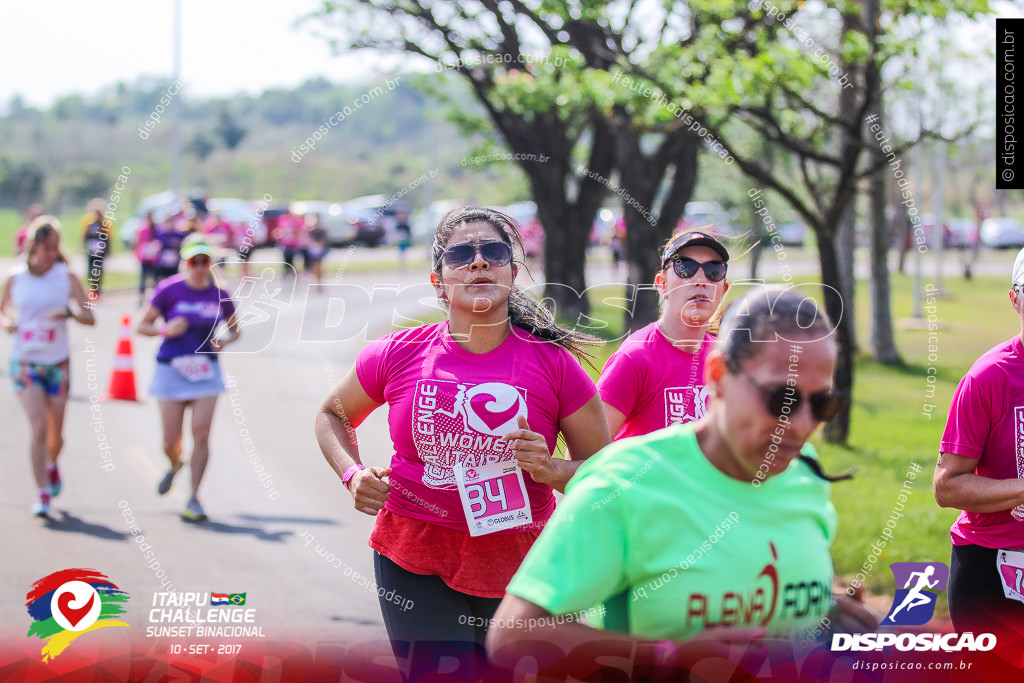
<point x="531" y="452"/>
<point x="11" y="326"/>
<point x="369" y="491"/>
<point x="852" y="615"/>
<point x="176" y="327"/>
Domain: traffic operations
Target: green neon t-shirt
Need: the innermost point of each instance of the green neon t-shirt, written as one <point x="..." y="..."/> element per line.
<point x="670" y="546"/>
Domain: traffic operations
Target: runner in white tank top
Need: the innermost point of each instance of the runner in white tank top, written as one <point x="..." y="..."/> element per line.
<point x="34" y="308"/>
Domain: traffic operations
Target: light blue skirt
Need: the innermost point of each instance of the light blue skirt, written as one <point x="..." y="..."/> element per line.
<point x="170" y="385"/>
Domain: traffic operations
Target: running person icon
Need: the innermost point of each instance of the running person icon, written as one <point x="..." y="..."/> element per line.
<point x="914" y="597"/>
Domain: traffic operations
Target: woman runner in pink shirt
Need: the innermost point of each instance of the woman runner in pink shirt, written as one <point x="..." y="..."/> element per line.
<point x="981" y="471"/>
<point x="490" y="388"/>
<point x="656" y="378"/>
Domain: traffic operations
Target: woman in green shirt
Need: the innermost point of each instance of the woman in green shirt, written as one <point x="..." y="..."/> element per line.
<point x="701" y="534"/>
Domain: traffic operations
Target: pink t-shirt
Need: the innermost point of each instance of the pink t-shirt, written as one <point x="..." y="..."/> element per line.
<point x="653" y="383"/>
<point x="986" y="422"/>
<point x="463" y="403"/>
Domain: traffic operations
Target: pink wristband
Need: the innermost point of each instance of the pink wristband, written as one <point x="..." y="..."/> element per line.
<point x="351" y="472"/>
<point x="162" y="331"/>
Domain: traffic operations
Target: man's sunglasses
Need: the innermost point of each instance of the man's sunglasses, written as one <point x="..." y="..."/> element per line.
<point x="786" y="400"/>
<point x="687" y="268"/>
<point x="199" y="261"/>
<point x="496" y="254"/>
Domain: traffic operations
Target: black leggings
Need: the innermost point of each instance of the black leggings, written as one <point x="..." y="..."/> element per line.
<point x="976" y="599"/>
<point x="427" y="620"/>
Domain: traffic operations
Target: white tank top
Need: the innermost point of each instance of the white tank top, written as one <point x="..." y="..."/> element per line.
<point x="39" y="340"/>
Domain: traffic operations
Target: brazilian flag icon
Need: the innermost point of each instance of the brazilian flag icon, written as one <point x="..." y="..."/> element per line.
<point x="237" y="598"/>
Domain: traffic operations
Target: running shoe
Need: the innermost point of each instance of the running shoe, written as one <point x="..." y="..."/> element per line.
<point x="53" y="478"/>
<point x="41" y="508"/>
<point x="165" y="484"/>
<point x="193" y="511"/>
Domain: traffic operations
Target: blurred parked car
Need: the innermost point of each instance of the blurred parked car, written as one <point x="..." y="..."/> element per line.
<point x="707" y="216"/>
<point x="962" y="233"/>
<point x="336" y="221"/>
<point x="425" y="223"/>
<point x="162" y="205"/>
<point x="793" y="233"/>
<point x="1002" y="233"/>
<point x="369" y="218"/>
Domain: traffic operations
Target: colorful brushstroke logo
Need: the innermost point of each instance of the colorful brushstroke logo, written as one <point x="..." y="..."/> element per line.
<point x="68" y="603"/>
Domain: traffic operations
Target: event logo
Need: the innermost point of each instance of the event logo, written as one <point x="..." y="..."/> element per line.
<point x="922" y="582"/>
<point x="68" y="603"/>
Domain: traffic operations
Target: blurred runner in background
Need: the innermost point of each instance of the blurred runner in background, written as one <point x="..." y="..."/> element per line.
<point x="37" y="301"/>
<point x="187" y="373"/>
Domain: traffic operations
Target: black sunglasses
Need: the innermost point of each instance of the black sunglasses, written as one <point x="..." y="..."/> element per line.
<point x="786" y="400"/>
<point x="687" y="268"/>
<point x="496" y="254"/>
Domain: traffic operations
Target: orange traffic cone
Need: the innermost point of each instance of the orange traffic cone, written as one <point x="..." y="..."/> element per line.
<point x="122" y="379"/>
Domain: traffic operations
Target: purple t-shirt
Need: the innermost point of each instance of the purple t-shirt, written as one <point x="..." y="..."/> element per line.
<point x="448" y="405"/>
<point x="986" y="422"/>
<point x="204" y="309"/>
<point x="653" y="383"/>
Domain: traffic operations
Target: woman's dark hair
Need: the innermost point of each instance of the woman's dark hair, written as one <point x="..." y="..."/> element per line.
<point x="767" y="314"/>
<point x="523" y="312"/>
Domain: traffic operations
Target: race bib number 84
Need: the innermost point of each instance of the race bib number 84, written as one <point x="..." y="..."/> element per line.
<point x="493" y="497"/>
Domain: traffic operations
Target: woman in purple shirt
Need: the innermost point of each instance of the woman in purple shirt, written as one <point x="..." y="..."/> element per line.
<point x="187" y="372"/>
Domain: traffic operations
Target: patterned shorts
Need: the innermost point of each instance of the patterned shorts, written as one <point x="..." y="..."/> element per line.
<point x="53" y="378"/>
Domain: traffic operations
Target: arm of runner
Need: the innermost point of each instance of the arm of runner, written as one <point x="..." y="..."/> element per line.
<point x="84" y="314"/>
<point x="8" y="323"/>
<point x="342" y="411"/>
<point x="615" y="418"/>
<point x="520" y="625"/>
<point x="957" y="486"/>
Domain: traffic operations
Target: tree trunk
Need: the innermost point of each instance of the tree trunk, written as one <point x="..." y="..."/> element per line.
<point x="838" y="430"/>
<point x="567" y="224"/>
<point x="846" y="246"/>
<point x="883" y="342"/>
<point x="641" y="176"/>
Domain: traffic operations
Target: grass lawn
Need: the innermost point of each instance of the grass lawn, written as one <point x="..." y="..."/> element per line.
<point x="889" y="430"/>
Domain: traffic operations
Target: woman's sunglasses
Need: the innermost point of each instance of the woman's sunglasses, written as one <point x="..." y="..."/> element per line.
<point x="199" y="261"/>
<point x="786" y="400"/>
<point x="687" y="268"/>
<point x="461" y="255"/>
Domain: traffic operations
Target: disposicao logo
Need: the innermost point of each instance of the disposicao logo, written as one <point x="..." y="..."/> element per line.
<point x="68" y="603"/>
<point x="914" y="605"/>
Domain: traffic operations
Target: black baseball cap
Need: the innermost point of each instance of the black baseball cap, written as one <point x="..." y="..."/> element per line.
<point x="693" y="238"/>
